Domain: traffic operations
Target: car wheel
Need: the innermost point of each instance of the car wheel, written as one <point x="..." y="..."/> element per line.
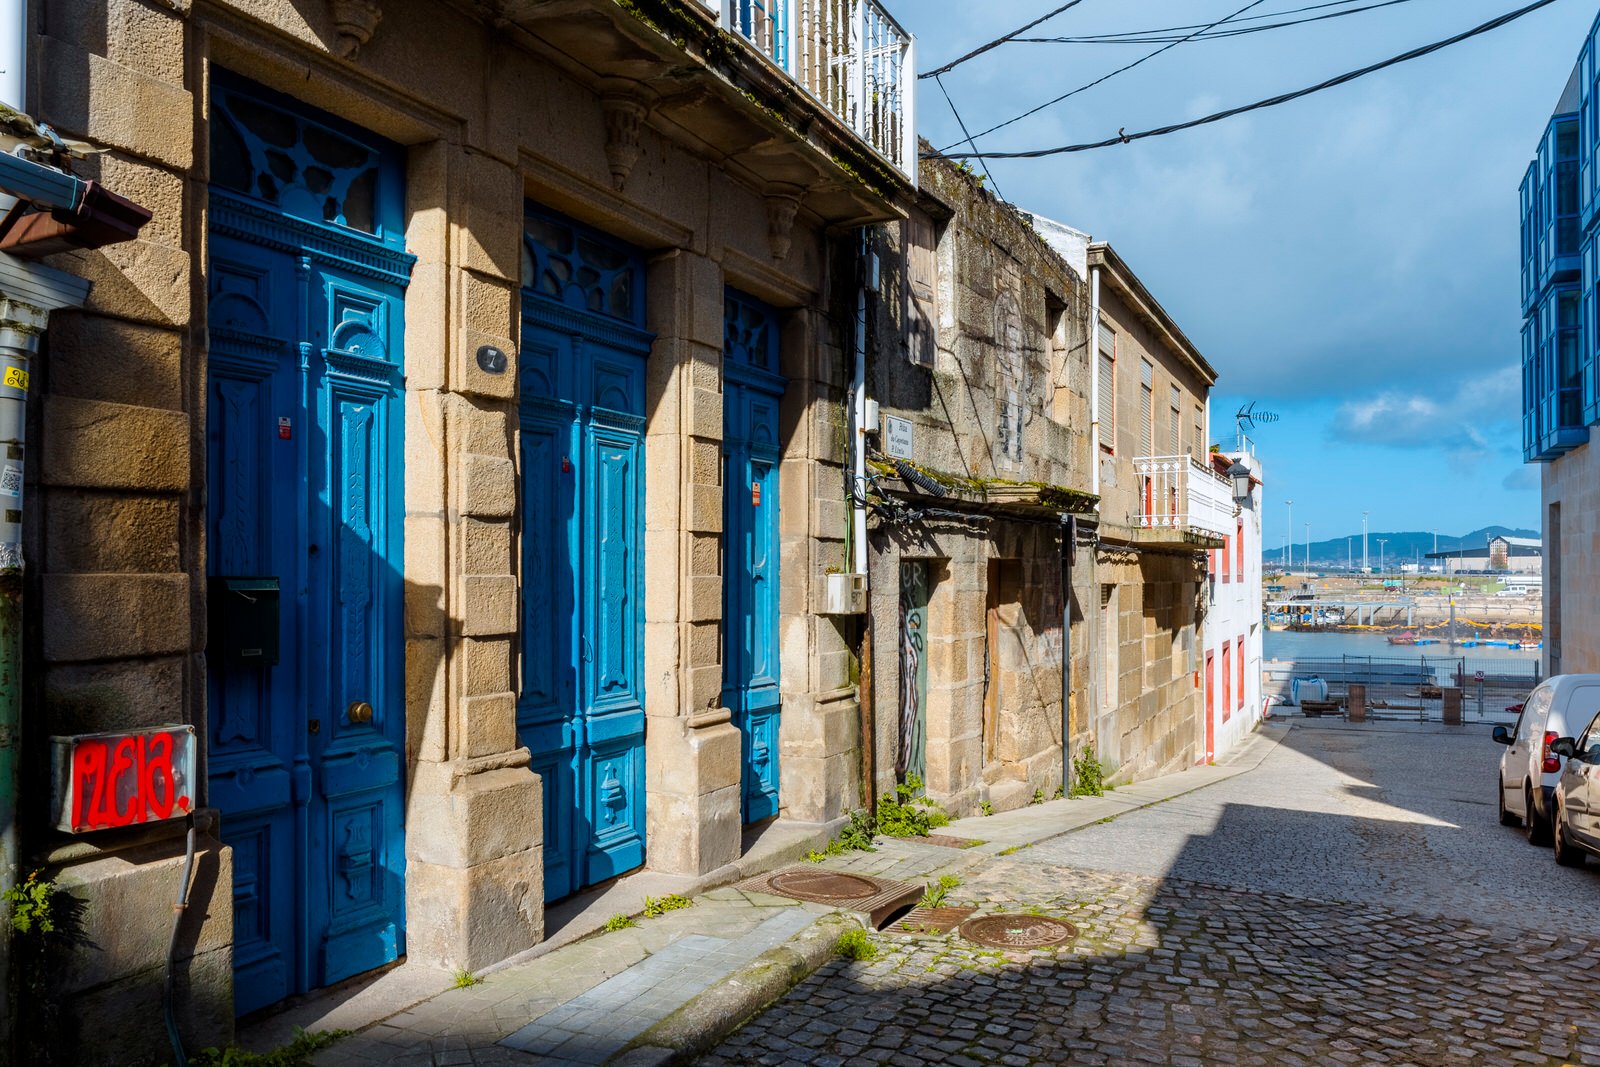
<point x="1507" y="818"/>
<point x="1566" y="853"/>
<point x="1537" y="829"/>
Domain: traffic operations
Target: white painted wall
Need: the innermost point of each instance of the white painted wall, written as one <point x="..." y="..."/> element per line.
<point x="1234" y="618"/>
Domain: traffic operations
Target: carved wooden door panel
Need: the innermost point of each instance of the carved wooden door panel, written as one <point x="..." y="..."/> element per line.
<point x="581" y="707"/>
<point x="305" y="755"/>
<point x="751" y="448"/>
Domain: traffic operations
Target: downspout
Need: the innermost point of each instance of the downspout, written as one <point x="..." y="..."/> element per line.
<point x="858" y="516"/>
<point x="28" y="293"/>
<point x="1069" y="548"/>
<point x="1094" y="380"/>
<point x="13" y="66"/>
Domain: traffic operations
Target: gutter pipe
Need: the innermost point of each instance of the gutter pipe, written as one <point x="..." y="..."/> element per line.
<point x="858" y="413"/>
<point x="13" y="53"/>
<point x="1094" y="380"/>
<point x="1069" y="550"/>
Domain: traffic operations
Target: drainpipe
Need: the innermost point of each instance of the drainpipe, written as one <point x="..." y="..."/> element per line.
<point x="858" y="409"/>
<point x="1094" y="380"/>
<point x="13" y="53"/>
<point x="866" y="277"/>
<point x="1069" y="548"/>
<point x="28" y="293"/>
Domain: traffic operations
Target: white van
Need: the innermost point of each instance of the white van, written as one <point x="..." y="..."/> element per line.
<point x="1528" y="769"/>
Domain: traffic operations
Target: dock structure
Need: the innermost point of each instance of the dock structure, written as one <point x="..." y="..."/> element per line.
<point x="1366" y="611"/>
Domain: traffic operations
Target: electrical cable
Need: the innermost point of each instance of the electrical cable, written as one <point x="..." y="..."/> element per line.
<point x="169" y="978"/>
<point x="970" y="142"/>
<point x="998" y="41"/>
<point x="1124" y="137"/>
<point x="1107" y="77"/>
<point x="1215" y="35"/>
<point x="1130" y="36"/>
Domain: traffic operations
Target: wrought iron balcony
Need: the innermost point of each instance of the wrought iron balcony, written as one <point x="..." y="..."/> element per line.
<point x="851" y="55"/>
<point x="1183" y="497"/>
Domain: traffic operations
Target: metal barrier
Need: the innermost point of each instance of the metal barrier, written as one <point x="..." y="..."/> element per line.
<point x="1413" y="688"/>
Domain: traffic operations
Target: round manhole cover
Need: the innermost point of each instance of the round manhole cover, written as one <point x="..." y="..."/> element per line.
<point x="811" y="885"/>
<point x="1018" y="931"/>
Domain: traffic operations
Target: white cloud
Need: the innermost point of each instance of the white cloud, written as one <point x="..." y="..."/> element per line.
<point x="1469" y="419"/>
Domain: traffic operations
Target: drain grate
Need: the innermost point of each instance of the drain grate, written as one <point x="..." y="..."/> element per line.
<point x="1018" y="931"/>
<point x="878" y="898"/>
<point x="931" y="920"/>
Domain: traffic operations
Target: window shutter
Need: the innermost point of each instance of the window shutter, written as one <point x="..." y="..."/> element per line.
<point x="922" y="280"/>
<point x="1175" y="434"/>
<point x="1147" y="403"/>
<point x="1108" y="389"/>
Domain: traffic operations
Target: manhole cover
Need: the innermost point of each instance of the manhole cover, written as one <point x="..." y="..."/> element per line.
<point x="879" y="899"/>
<point x="1018" y="931"/>
<point x="931" y="920"/>
<point x="822" y="885"/>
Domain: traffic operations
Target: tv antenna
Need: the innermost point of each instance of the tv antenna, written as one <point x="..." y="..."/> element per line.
<point x="1248" y="418"/>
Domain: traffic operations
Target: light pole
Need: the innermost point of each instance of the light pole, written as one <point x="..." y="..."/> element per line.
<point x="1381" y="542"/>
<point x="1366" y="565"/>
<point x="1349" y="556"/>
<point x="1289" y="565"/>
<point x="1308" y="544"/>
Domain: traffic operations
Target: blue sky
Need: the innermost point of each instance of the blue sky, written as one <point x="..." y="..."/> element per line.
<point x="1348" y="260"/>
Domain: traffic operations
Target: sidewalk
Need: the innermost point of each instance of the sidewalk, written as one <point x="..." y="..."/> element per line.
<point x="675" y="984"/>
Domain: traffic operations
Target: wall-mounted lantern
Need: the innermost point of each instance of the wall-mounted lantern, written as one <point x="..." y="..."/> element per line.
<point x="1240" y="475"/>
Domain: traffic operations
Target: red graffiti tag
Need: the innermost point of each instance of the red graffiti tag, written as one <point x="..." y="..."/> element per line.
<point x="123" y="781"/>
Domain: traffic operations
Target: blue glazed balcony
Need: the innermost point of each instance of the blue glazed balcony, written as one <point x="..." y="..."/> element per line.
<point x="1553" y="376"/>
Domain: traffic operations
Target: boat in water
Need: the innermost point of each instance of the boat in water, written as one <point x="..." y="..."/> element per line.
<point x="1407" y="638"/>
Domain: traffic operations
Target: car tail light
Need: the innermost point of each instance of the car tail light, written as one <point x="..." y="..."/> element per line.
<point x="1552" y="762"/>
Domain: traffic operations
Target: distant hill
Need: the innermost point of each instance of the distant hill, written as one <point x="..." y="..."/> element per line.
<point x="1406" y="546"/>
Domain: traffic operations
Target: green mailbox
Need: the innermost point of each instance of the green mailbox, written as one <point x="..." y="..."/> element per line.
<point x="244" y="621"/>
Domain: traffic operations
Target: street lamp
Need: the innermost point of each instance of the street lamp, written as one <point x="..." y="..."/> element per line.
<point x="1381" y="542"/>
<point x="1366" y="564"/>
<point x="1239" y="474"/>
<point x="1289" y="546"/>
<point x="1308" y="544"/>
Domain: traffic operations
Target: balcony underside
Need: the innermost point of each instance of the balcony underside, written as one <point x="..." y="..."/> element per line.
<point x="713" y="93"/>
<point x="1182" y="537"/>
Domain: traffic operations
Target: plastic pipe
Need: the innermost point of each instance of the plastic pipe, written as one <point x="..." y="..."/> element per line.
<point x="858" y="418"/>
<point x="169" y="980"/>
<point x="1094" y="380"/>
<point x="14" y="54"/>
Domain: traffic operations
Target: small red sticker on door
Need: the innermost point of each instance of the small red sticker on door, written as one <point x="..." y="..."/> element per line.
<point x="285" y="428"/>
<point x="566" y="464"/>
<point x="755" y="494"/>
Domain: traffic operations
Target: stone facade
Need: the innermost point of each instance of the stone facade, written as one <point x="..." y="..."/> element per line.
<point x="978" y="354"/>
<point x="643" y="121"/>
<point x="1150" y="568"/>
<point x="1571" y="493"/>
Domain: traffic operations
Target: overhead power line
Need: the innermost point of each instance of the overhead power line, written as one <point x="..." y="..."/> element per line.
<point x="1282" y="98"/>
<point x="962" y="123"/>
<point x="998" y="41"/>
<point x="1158" y="36"/>
<point x="1120" y="70"/>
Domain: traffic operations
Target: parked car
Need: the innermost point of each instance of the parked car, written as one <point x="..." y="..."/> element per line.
<point x="1529" y="769"/>
<point x="1575" y="819"/>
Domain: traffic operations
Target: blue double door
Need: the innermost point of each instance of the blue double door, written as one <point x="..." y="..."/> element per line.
<point x="581" y="709"/>
<point x="304" y="446"/>
<point x="752" y="391"/>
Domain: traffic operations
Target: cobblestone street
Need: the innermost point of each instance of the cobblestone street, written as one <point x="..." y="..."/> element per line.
<point x="1350" y="900"/>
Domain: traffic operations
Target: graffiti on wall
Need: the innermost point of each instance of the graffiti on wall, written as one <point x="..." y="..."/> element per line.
<point x="103" y="781"/>
<point x="911" y="755"/>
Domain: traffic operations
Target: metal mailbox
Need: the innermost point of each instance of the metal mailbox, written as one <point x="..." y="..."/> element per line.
<point x="244" y="621"/>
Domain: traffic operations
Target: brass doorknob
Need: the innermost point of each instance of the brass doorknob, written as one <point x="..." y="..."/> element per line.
<point x="360" y="711"/>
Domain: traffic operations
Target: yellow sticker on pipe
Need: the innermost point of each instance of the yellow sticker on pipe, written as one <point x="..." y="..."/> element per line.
<point x="17" y="378"/>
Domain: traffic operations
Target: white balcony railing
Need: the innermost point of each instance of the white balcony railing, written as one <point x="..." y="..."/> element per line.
<point x="849" y="54"/>
<point x="1182" y="494"/>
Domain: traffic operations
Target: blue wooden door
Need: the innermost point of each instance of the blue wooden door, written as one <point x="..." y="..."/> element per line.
<point x="752" y="389"/>
<point x="581" y="708"/>
<point x="304" y="450"/>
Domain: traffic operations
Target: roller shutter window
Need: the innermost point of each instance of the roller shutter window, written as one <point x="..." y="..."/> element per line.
<point x="1147" y="404"/>
<point x="1108" y="389"/>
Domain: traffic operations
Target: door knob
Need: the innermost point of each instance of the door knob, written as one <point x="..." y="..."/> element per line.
<point x="360" y="711"/>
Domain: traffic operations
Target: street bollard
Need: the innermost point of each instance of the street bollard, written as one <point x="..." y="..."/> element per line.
<point x="1355" y="705"/>
<point x="1452" y="706"/>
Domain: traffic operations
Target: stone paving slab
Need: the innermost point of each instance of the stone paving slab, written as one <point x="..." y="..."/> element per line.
<point x="1038" y="823"/>
<point x="606" y="1019"/>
